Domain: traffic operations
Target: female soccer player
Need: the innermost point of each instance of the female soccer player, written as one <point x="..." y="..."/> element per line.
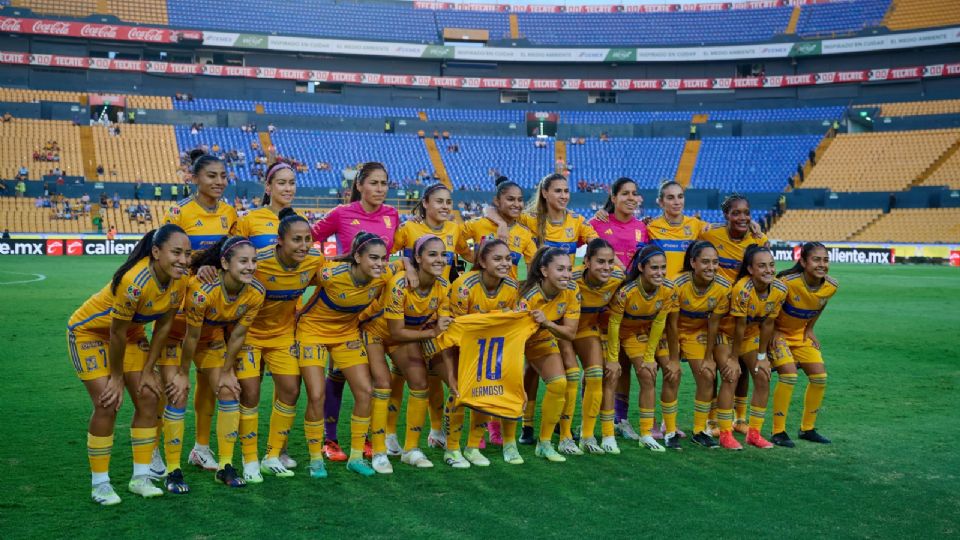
<point x="328" y="328"/>
<point x="598" y="279"/>
<point x="488" y="288"/>
<point x="552" y="298"/>
<point x="109" y="349"/>
<point x="621" y="228"/>
<point x="809" y="288"/>
<point x="260" y="225"/>
<point x="508" y="207"/>
<point x="644" y="305"/>
<point x="285" y="269"/>
<point x="366" y="212"/>
<point x="401" y="323"/>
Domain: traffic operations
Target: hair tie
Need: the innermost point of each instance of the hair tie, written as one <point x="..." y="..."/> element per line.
<point x="235" y="244"/>
<point x="431" y="189"/>
<point x="649" y="256"/>
<point x="280" y="165"/>
<point x="423" y="240"/>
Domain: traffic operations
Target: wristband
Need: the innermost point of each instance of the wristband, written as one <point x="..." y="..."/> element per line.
<point x="761" y="357"/>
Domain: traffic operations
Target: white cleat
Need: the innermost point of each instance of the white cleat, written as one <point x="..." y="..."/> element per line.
<point x="393" y="445"/>
<point x="286" y="460"/>
<point x="474" y="456"/>
<point x="251" y="473"/>
<point x="589" y="445"/>
<point x="437" y="439"/>
<point x="568" y="447"/>
<point x="274" y="467"/>
<point x="104" y="494"/>
<point x="143" y="486"/>
<point x="511" y="454"/>
<point x="609" y="445"/>
<point x="455" y="459"/>
<point x="648" y="442"/>
<point x="625" y="430"/>
<point x="202" y="457"/>
<point x="416" y="458"/>
<point x="381" y="464"/>
<point x="158" y="469"/>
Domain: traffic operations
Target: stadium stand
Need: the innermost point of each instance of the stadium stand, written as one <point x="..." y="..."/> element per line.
<point x="226" y="139"/>
<point x="913" y="14"/>
<point x="917" y="108"/>
<point x="141" y="11"/>
<point x="149" y="102"/>
<point x="22" y="137"/>
<point x="837" y="18"/>
<point x="928" y="225"/>
<point x="947" y="174"/>
<point x="822" y="225"/>
<point x="750" y="163"/>
<point x="147" y="151"/>
<point x="647" y="161"/>
<point x="24" y="95"/>
<point x="497" y="24"/>
<point x="473" y="166"/>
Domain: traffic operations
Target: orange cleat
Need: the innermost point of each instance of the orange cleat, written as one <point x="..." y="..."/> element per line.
<point x="754" y="438"/>
<point x="333" y="452"/>
<point x="741" y="427"/>
<point x="367" y="449"/>
<point x="728" y="441"/>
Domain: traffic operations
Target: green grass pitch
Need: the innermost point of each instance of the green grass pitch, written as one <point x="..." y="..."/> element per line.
<point x="891" y="346"/>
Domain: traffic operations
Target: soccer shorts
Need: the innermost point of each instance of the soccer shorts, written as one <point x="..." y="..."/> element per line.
<point x="592" y="330"/>
<point x="342" y="355"/>
<point x="280" y="360"/>
<point x="635" y="346"/>
<point x="784" y="352"/>
<point x="209" y="354"/>
<point x="90" y="359"/>
<point x="751" y="343"/>
<point x="693" y="346"/>
<point x="541" y="348"/>
<point x="248" y="363"/>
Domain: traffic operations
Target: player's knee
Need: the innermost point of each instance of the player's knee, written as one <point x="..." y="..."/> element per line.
<point x="250" y="397"/>
<point x="787" y="378"/>
<point x="557" y="385"/>
<point x="288" y="393"/>
<point x="315" y="395"/>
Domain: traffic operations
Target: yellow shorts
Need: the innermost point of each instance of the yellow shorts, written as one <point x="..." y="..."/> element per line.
<point x="541" y="348"/>
<point x="209" y="355"/>
<point x="693" y="346"/>
<point x="751" y="343"/>
<point x="343" y="355"/>
<point x="89" y="354"/>
<point x="636" y="346"/>
<point x="171" y="355"/>
<point x="430" y="350"/>
<point x="283" y="360"/>
<point x="587" y="331"/>
<point x="783" y="352"/>
<point x="248" y="363"/>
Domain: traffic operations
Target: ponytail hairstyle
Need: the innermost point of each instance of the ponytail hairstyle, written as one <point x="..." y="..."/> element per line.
<point x="693" y="251"/>
<point x="618" y="184"/>
<point x="288" y="216"/>
<point x="362" y="243"/>
<point x="728" y="201"/>
<point x="748" y="256"/>
<point x="538" y="206"/>
<point x="420" y="245"/>
<point x="596" y="245"/>
<point x="144" y="248"/>
<point x="421" y="207"/>
<point x="543" y="257"/>
<point x="503" y="184"/>
<point x="805" y="250"/>
<point x="664" y="185"/>
<point x="640" y="259"/>
<point x="363" y="173"/>
<point x="200" y="160"/>
<point x="482" y="248"/>
<point x="275" y="167"/>
<point x="223" y="249"/>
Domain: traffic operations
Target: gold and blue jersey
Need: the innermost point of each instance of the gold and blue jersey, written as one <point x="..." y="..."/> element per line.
<point x="210" y="307"/>
<point x="674" y="239"/>
<point x="567" y="234"/>
<point x="284" y="286"/>
<point x="205" y="227"/>
<point x="596" y="299"/>
<point x="520" y="240"/>
<point x="802" y="304"/>
<point x="640" y="309"/>
<point x="469" y="295"/>
<point x="696" y="307"/>
<point x="563" y="305"/>
<point x="332" y="314"/>
<point x="260" y="226"/>
<point x="730" y="251"/>
<point x="411" y="231"/>
<point x="748" y="303"/>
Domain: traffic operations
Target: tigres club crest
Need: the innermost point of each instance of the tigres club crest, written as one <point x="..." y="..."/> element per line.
<point x="241" y="309"/>
<point x="304" y="278"/>
<point x="223" y="222"/>
<point x="711" y="303"/>
<point x="325" y="274"/>
<point x="449" y="239"/>
<point x="769" y="307"/>
<point x="658" y="305"/>
<point x="174" y="298"/>
<point x="295" y="350"/>
<point x="687" y="231"/>
<point x="463" y="292"/>
<point x="433" y="304"/>
<point x="569" y="232"/>
<point x="516" y="241"/>
<point x="561" y="308"/>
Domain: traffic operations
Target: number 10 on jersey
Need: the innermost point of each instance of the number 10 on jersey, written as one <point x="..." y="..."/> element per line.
<point x="493" y="347"/>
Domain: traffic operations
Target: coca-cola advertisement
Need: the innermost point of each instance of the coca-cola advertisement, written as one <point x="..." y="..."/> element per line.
<point x="84" y="30"/>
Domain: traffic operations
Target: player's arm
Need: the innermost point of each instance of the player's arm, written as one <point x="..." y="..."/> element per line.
<point x="112" y="395"/>
<point x="449" y="357"/>
<point x="189" y="347"/>
<point x="148" y="378"/>
<point x="713" y="327"/>
<point x="228" y="374"/>
<point x="808" y="333"/>
<point x="399" y="331"/>
<point x="740" y="326"/>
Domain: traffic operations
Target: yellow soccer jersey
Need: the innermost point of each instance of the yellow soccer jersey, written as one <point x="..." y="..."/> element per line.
<point x="802" y="305"/>
<point x="594" y="300"/>
<point x="695" y="306"/>
<point x="490" y="373"/>
<point x="411" y="231"/>
<point x="333" y="312"/>
<point x="520" y="241"/>
<point x="565" y="305"/>
<point x="570" y="232"/>
<point x="276" y="323"/>
<point x="731" y="251"/>
<point x="204" y="227"/>
<point x="469" y="295"/>
<point x="398" y="302"/>
<point x="639" y="309"/>
<point x="139" y="299"/>
<point x="260" y="226"/>
<point x="747" y="303"/>
<point x="674" y="239"/>
<point x="211" y="308"/>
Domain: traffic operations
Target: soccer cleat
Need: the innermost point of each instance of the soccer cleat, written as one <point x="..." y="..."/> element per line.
<point x="436" y="439"/>
<point x="176" y="484"/>
<point x="228" y="476"/>
<point x="782" y="439"/>
<point x="361" y="467"/>
<point x="393" y="445"/>
<point x="381" y="464"/>
<point x="741" y="427"/>
<point x="332" y="451"/>
<point x="657" y="432"/>
<point x="158" y="469"/>
<point x="610" y="446"/>
<point x="589" y="445"/>
<point x="545" y="450"/>
<point x="812" y="436"/>
<point x="494" y="434"/>
<point x="273" y="467"/>
<point x="143" y="486"/>
<point x="251" y="473"/>
<point x="474" y="456"/>
<point x="680" y="433"/>
<point x="202" y="457"/>
<point x="705" y="440"/>
<point x="483" y="443"/>
<point x="367" y="449"/>
<point x="625" y="430"/>
<point x="286" y="460"/>
<point x="728" y="441"/>
<point x="104" y="494"/>
<point x="416" y="458"/>
<point x="672" y="441"/>
<point x="455" y="459"/>
<point x="648" y="442"/>
<point x="568" y="447"/>
<point x="712" y="430"/>
<point x="317" y="468"/>
<point x="511" y="455"/>
<point x="526" y="436"/>
<point x="754" y="438"/>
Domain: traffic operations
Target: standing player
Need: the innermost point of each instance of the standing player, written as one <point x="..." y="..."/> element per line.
<point x="620" y="226"/>
<point x="507" y="209"/>
<point x="260" y="225"/>
<point x="110" y="351"/>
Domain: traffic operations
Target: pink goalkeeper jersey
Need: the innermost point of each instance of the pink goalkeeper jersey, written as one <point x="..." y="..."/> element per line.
<point x="624" y="237"/>
<point x="346" y="220"/>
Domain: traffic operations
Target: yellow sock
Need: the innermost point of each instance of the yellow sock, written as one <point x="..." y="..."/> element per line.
<point x="669" y="412"/>
<point x="701" y="411"/>
<point x="359" y="425"/>
<point x="646" y="421"/>
<point x="552" y="406"/>
<point x="416" y="414"/>
<point x="781" y="400"/>
<point x="740" y="408"/>
<point x="142" y="440"/>
<point x="435" y="401"/>
<point x="378" y="420"/>
<point x="812" y="399"/>
<point x="592" y="395"/>
<point x="204" y="403"/>
<point x="454" y="422"/>
<point x="281" y="420"/>
<point x="313" y="430"/>
<point x="508" y="429"/>
<point x="173" y="427"/>
<point x="98" y="453"/>
<point x="397" y="383"/>
<point x="569" y="403"/>
<point x="529" y="410"/>
<point x="228" y="425"/>
<point x="249" y="433"/>
<point x="606" y="422"/>
<point x="756" y="417"/>
<point x="725" y="419"/>
<point x="478" y="425"/>
<point x="713" y="410"/>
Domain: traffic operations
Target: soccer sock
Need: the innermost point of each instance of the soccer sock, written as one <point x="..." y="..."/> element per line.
<point x="331" y="403"/>
<point x="478" y="424"/>
<point x="281" y="420"/>
<point x="98" y="453"/>
<point x="701" y="410"/>
<point x="435" y="401"/>
<point x="204" y="403"/>
<point x="756" y="417"/>
<point x="740" y="407"/>
<point x="781" y="400"/>
<point x="142" y="440"/>
<point x="249" y="435"/>
<point x="669" y="411"/>
<point x="313" y="430"/>
<point x="646" y="421"/>
<point x="173" y="436"/>
<point x="378" y="420"/>
<point x="416" y="414"/>
<point x="397" y="383"/>
<point x="228" y="424"/>
<point x="606" y="422"/>
<point x="713" y="410"/>
<point x="621" y="405"/>
<point x="359" y="425"/>
<point x="552" y="406"/>
<point x="725" y="419"/>
<point x="454" y="422"/>
<point x="812" y="399"/>
<point x="529" y="410"/>
<point x="592" y="395"/>
<point x="570" y="402"/>
<point x="509" y="431"/>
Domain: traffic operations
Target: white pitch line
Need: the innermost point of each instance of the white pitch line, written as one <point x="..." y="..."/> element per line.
<point x="37" y="277"/>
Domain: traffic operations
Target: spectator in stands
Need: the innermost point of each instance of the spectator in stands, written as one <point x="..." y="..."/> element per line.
<point x="421" y="133"/>
<point x="271" y="129"/>
<point x="157" y="192"/>
<point x="445" y="135"/>
<point x="7" y="117"/>
<point x="604" y="137"/>
<point x="6" y="233"/>
<point x="99" y="170"/>
<point x="104" y="200"/>
<point x="693" y="132"/>
<point x="21" y="188"/>
<point x="56" y="171"/>
<point x="116" y="199"/>
<point x="111" y="233"/>
<point x="38" y="202"/>
<point x="23" y="172"/>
